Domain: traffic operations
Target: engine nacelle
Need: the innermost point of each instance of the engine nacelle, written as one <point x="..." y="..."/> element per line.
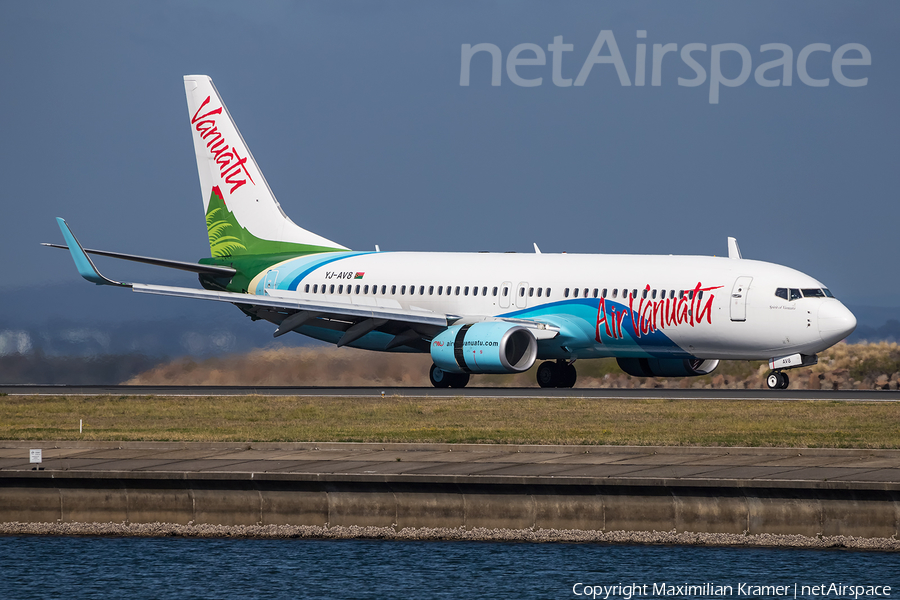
<point x="486" y="347"/>
<point x="666" y="367"/>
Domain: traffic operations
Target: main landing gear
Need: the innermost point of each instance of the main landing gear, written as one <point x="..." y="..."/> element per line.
<point x="441" y="379"/>
<point x="778" y="380"/>
<point x="559" y="374"/>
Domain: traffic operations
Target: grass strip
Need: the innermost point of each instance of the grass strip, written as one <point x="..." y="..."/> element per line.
<point x="790" y="423"/>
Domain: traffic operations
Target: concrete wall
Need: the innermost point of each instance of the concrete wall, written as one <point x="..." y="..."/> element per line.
<point x="356" y="500"/>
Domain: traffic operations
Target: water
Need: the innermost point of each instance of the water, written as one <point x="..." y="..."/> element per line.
<point x="70" y="567"/>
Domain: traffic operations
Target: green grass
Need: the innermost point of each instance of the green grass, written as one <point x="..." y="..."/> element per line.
<point x="455" y="420"/>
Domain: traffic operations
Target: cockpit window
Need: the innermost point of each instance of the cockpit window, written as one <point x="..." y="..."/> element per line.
<point x="795" y="294"/>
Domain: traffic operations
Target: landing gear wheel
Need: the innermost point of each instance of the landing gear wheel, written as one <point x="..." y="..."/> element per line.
<point x="439" y="378"/>
<point x="459" y="380"/>
<point x="569" y="375"/>
<point x="547" y="375"/>
<point x="778" y="380"/>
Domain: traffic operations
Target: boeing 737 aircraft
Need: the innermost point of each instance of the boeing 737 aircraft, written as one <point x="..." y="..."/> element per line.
<point x="659" y="316"/>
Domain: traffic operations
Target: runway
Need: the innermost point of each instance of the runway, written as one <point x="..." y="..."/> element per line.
<point x="470" y="392"/>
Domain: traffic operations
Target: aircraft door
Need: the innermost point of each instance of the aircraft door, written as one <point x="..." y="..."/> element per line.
<point x="739" y="298"/>
<point x="522" y="295"/>
<point x="271" y="279"/>
<point x="505" y="292"/>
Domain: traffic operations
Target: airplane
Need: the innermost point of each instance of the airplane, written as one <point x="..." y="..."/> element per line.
<point x="483" y="313"/>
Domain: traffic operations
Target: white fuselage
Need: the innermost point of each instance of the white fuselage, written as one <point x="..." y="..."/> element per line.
<point x="603" y="305"/>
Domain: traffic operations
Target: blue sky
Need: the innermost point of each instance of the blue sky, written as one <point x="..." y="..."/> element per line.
<point x="355" y="113"/>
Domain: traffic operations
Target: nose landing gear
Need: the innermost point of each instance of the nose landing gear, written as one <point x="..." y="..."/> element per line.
<point x="778" y="380"/>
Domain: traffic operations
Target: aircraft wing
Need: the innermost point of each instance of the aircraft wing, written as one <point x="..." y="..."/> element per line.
<point x="350" y="316"/>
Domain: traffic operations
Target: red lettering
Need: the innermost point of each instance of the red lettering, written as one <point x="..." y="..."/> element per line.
<point x="620" y="319"/>
<point x="230" y="163"/>
<point x="652" y="315"/>
<point x="635" y="326"/>
<point x="217" y="111"/>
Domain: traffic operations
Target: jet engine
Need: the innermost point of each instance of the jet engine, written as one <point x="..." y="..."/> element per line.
<point x="666" y="367"/>
<point x="486" y="347"/>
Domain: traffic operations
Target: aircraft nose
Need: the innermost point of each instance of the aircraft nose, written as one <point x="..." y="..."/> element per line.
<point x="835" y="322"/>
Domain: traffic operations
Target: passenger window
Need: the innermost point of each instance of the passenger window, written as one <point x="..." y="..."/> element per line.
<point x="475" y="291"/>
<point x="505" y="291"/>
<point x="307" y="288"/>
<point x="795" y="294"/>
<point x="340" y="289"/>
<point x="531" y="292"/>
<point x="402" y="290"/>
<point x="315" y="288"/>
<point x="521" y="292"/>
<point x="615" y="293"/>
<point x="596" y="292"/>
<point x="644" y="293"/>
<point x="566" y="293"/>
<point x="484" y="290"/>
<point x="495" y="290"/>
<point x="440" y="290"/>
<point x="466" y="291"/>
<point x="331" y="289"/>
<point x="539" y="292"/>
<point x="548" y="293"/>
<point x="634" y="293"/>
<point x="653" y="294"/>
<point x="431" y="290"/>
<point x="457" y="290"/>
<point x="366" y="290"/>
<point x="393" y="290"/>
<point x="357" y="288"/>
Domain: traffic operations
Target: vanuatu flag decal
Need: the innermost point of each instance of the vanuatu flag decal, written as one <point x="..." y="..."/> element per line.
<point x="359" y="276"/>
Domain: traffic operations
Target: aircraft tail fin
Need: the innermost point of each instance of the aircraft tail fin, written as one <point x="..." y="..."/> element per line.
<point x="242" y="214"/>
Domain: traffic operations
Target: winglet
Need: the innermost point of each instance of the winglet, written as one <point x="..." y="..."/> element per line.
<point x="733" y="250"/>
<point x="84" y="265"/>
